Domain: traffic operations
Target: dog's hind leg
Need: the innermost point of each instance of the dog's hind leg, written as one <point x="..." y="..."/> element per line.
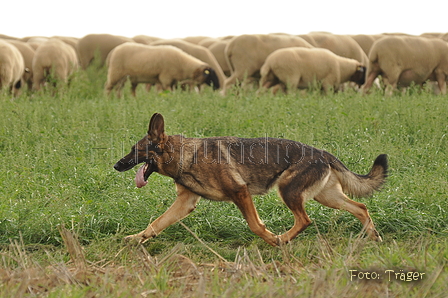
<point x="244" y="202"/>
<point x="332" y="196"/>
<point x="184" y="204"/>
<point x="296" y="203"/>
<point x="295" y="187"/>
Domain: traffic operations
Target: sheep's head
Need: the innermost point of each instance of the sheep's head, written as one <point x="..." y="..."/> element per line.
<point x="359" y="77"/>
<point x="208" y="76"/>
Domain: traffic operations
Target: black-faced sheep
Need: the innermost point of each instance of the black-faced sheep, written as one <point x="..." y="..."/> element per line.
<point x="197" y="51"/>
<point x="246" y="54"/>
<point x="299" y="67"/>
<point x="163" y="65"/>
<point x="102" y="44"/>
<point x="12" y="67"/>
<point x="402" y="60"/>
<point x="53" y="57"/>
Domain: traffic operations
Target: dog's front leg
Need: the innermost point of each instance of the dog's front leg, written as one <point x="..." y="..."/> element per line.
<point x="184" y="204"/>
<point x="243" y="201"/>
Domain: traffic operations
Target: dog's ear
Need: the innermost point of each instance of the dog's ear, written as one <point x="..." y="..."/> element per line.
<point x="156" y="130"/>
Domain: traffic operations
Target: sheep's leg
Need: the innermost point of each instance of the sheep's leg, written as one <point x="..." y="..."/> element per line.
<point x="441" y="81"/>
<point x="369" y="81"/>
<point x="229" y="82"/>
<point x="133" y="87"/>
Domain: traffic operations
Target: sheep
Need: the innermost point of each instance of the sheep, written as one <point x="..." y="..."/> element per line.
<point x="72" y="41"/>
<point x="299" y="67"/>
<point x="3" y="36"/>
<point x="366" y="41"/>
<point x="53" y="56"/>
<point x="27" y="52"/>
<point x="196" y="51"/>
<point x="402" y="60"/>
<point x="195" y="39"/>
<point x="164" y="65"/>
<point x="35" y="41"/>
<point x="91" y="44"/>
<point x="207" y="42"/>
<point x="144" y="39"/>
<point x="218" y="50"/>
<point x="342" y="45"/>
<point x="245" y="54"/>
<point x="12" y="66"/>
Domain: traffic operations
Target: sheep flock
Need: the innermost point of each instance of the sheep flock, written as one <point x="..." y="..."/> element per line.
<point x="267" y="62"/>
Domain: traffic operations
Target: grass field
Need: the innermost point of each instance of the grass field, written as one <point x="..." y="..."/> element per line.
<point x="57" y="181"/>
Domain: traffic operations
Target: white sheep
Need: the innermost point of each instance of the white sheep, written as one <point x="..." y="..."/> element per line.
<point x="100" y="44"/>
<point x="246" y="53"/>
<point x="12" y="67"/>
<point x="403" y="60"/>
<point x="145" y="39"/>
<point x="299" y="67"/>
<point x="27" y="52"/>
<point x="164" y="65"/>
<point x="218" y="49"/>
<point x="341" y="45"/>
<point x="197" y="51"/>
<point x="53" y="57"/>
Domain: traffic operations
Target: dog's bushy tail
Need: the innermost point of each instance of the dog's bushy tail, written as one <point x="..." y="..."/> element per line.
<point x="362" y="185"/>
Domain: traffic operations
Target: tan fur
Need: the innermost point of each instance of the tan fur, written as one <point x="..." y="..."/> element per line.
<point x="12" y="67"/>
<point x="301" y="67"/>
<point x="27" y="52"/>
<point x="53" y="56"/>
<point x="401" y="60"/>
<point x="246" y="54"/>
<point x="197" y="51"/>
<point x="164" y="65"/>
<point x="101" y="43"/>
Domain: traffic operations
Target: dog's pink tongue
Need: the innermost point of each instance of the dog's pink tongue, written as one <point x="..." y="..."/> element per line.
<point x="139" y="177"/>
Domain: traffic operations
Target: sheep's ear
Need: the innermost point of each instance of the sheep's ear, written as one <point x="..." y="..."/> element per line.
<point x="361" y="68"/>
<point x="206" y="71"/>
<point x="156" y="129"/>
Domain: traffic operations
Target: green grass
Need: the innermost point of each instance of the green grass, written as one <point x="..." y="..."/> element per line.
<point x="58" y="154"/>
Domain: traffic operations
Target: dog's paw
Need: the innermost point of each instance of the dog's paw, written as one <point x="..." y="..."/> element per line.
<point x="133" y="239"/>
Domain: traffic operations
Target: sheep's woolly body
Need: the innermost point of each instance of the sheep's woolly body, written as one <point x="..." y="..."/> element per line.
<point x="12" y="67"/>
<point x="300" y="67"/>
<point x="53" y="56"/>
<point x="402" y="60"/>
<point x="164" y="65"/>
<point x="246" y="54"/>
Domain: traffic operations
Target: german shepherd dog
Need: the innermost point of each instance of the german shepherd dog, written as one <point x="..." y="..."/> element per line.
<point x="233" y="169"/>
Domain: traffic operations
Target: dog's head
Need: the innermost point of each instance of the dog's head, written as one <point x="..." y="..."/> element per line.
<point x="147" y="150"/>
